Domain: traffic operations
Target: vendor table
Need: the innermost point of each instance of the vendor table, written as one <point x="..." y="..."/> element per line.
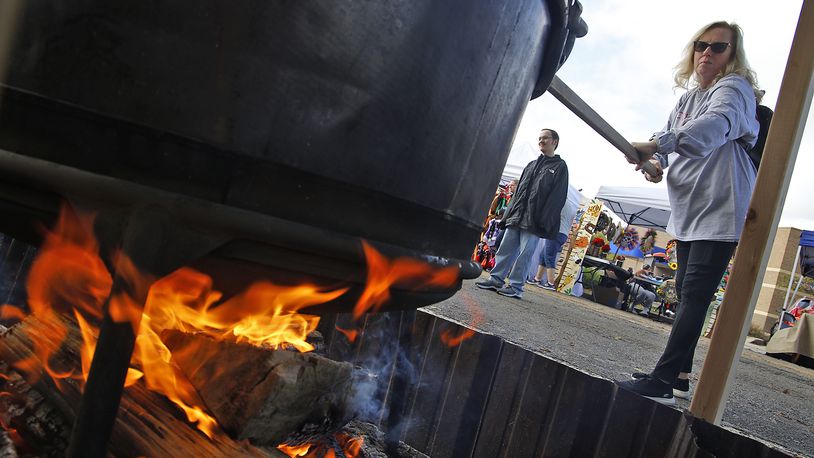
<point x="591" y="264"/>
<point x="647" y="281"/>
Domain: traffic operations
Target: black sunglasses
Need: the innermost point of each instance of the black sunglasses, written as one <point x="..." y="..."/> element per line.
<point x="717" y="47"/>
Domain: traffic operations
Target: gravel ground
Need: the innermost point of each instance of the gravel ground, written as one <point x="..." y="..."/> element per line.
<point x="770" y="399"/>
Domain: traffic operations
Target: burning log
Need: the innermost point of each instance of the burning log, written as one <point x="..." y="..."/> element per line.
<point x="7" y="449"/>
<point x="147" y="424"/>
<point x="374" y="442"/>
<point x="258" y="393"/>
<point x="26" y="417"/>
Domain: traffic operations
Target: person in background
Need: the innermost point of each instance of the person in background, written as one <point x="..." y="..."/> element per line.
<point x="502" y="198"/>
<point x="551" y="247"/>
<point x="641" y="294"/>
<point x="533" y="213"/>
<point x="709" y="183"/>
<point x="645" y="271"/>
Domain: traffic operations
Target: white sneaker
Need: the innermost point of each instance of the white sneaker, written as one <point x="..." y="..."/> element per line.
<point x="681" y="388"/>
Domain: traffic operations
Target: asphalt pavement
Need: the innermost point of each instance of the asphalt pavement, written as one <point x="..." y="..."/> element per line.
<point x="770" y="399"/>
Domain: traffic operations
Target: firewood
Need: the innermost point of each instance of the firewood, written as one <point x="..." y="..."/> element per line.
<point x="147" y="425"/>
<point x="374" y="445"/>
<point x="7" y="449"/>
<point x="260" y="394"/>
<point x="371" y="441"/>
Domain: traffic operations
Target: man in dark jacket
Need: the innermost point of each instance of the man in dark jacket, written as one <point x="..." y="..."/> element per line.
<point x="533" y="213"/>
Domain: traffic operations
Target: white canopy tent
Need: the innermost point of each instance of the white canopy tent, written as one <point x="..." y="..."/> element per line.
<point x="522" y="153"/>
<point x="638" y="206"/>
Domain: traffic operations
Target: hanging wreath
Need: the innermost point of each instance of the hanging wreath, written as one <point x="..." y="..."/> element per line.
<point x="629" y="239"/>
<point x="648" y="241"/>
<point x="602" y="222"/>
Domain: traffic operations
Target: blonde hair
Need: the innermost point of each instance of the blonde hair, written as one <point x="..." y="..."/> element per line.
<point x="685" y="70"/>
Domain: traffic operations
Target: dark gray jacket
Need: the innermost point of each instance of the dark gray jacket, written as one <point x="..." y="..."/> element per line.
<point x="540" y="196"/>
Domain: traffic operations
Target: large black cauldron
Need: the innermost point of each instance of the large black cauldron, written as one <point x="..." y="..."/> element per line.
<point x="388" y="120"/>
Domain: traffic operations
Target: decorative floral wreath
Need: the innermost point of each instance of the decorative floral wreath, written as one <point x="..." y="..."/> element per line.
<point x="648" y="241"/>
<point x="629" y="239"/>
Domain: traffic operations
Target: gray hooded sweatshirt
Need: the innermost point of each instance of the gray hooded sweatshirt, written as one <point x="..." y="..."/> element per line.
<point x="710" y="177"/>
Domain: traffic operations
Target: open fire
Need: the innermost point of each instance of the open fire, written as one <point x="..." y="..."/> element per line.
<point x="69" y="277"/>
<point x="348" y="446"/>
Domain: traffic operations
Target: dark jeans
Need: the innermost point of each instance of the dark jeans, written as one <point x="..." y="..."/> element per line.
<point x="701" y="264"/>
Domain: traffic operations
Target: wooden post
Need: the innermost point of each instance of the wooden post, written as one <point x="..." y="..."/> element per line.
<point x="782" y="143"/>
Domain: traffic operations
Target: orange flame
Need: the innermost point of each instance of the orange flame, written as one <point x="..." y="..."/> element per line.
<point x="89" y="338"/>
<point x="123" y="307"/>
<point x="68" y="273"/>
<point x="10" y="312"/>
<point x="451" y="340"/>
<point x="350" y="334"/>
<point x="264" y="315"/>
<point x="294" y="451"/>
<point x="383" y="273"/>
<point x="350" y="446"/>
<point x="68" y="276"/>
<point x="162" y="377"/>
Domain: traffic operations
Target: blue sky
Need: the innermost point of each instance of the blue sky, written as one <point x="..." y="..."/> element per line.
<point x="623" y="68"/>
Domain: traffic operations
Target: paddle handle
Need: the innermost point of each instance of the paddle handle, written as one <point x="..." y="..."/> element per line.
<point x="573" y="102"/>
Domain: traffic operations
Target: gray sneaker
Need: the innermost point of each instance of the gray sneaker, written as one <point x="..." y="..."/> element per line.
<point x="509" y="291"/>
<point x="650" y="388"/>
<point x="547" y="286"/>
<point x="681" y="387"/>
<point x="489" y="283"/>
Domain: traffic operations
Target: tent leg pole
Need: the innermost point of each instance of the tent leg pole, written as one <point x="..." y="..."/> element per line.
<point x="791" y="279"/>
<point x="796" y="288"/>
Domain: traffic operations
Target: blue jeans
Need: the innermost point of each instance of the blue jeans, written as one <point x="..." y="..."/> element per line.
<point x="551" y="248"/>
<point x="513" y="256"/>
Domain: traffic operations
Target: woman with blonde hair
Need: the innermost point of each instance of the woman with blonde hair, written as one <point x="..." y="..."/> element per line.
<point x="709" y="183"/>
